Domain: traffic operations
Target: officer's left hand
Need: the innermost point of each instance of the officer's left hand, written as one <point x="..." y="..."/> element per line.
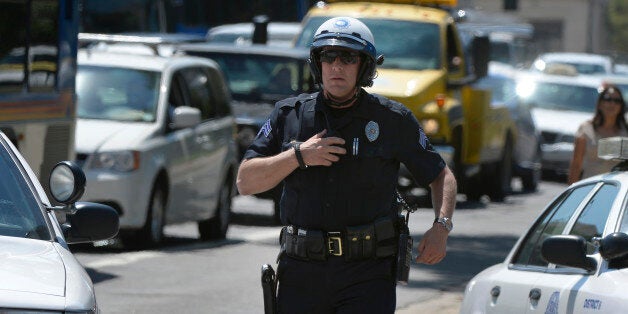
<point x="433" y="246"/>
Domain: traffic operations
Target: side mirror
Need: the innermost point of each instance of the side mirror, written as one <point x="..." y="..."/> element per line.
<point x="185" y="117"/>
<point x="567" y="250"/>
<point x="67" y="182"/>
<point x="614" y="245"/>
<point x="481" y="52"/>
<point x="91" y="222"/>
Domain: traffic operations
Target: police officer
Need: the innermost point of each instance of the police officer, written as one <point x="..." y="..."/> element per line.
<point x="338" y="152"/>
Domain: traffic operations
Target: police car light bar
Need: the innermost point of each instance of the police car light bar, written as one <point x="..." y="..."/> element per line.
<point x="613" y="148"/>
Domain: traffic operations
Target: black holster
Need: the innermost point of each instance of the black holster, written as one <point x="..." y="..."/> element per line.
<point x="269" y="288"/>
<point x="404" y="252"/>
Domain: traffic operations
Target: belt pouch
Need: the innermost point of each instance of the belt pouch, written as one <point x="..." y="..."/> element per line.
<point x="290" y="242"/>
<point x="386" y="238"/>
<point x="359" y="242"/>
<point x="315" y="245"/>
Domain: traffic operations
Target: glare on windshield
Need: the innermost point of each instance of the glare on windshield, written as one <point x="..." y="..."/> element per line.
<point x="116" y="94"/>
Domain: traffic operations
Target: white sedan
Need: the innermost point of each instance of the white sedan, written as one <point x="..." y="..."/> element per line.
<point x="39" y="274"/>
<point x="574" y="257"/>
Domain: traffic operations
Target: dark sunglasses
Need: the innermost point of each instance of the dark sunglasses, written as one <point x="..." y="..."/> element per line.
<point x="616" y="100"/>
<point x="346" y="57"/>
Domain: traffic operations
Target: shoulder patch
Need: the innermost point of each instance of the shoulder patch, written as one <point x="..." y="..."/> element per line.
<point x="265" y="129"/>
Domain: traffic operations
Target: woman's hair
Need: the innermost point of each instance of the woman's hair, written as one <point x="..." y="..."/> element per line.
<point x="598" y="119"/>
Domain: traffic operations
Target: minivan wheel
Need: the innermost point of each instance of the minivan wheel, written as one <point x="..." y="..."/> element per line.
<point x="151" y="233"/>
<point x="216" y="227"/>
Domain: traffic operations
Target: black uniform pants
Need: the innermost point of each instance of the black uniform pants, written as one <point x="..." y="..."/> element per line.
<point x="336" y="286"/>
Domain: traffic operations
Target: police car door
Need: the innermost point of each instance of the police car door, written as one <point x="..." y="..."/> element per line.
<point x="573" y="290"/>
<point x="515" y="291"/>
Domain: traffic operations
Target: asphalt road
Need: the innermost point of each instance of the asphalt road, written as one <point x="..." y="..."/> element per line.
<point x="186" y="275"/>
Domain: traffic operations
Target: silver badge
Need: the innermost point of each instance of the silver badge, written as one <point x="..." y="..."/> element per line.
<point x="372" y="131"/>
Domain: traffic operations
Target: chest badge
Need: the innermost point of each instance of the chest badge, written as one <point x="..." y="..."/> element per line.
<point x="372" y="131"/>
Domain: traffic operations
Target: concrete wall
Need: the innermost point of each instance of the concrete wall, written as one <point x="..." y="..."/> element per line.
<point x="560" y="25"/>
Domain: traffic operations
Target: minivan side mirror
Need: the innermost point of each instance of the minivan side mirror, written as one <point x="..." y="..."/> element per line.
<point x="185" y="117"/>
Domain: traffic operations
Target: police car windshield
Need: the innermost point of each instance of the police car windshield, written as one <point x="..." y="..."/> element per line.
<point x="405" y="45"/>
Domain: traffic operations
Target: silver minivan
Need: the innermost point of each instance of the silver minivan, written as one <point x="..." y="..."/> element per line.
<point x="155" y="137"/>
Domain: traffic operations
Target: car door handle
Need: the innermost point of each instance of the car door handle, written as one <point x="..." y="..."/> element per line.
<point x="202" y="139"/>
<point x="535" y="294"/>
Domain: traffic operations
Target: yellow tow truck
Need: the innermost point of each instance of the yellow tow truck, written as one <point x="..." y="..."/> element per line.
<point x="430" y="70"/>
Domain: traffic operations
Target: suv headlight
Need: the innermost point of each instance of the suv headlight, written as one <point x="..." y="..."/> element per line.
<point x="123" y="161"/>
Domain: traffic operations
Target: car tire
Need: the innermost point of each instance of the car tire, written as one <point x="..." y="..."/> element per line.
<point x="530" y="178"/>
<point x="152" y="232"/>
<point x="500" y="184"/>
<point x="215" y="228"/>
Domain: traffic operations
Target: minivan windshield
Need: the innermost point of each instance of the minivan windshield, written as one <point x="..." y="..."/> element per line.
<point x="118" y="94"/>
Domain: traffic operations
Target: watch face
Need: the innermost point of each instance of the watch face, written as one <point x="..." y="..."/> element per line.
<point x="446" y="222"/>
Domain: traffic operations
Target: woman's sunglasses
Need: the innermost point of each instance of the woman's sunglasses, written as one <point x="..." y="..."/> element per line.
<point x="346" y="57"/>
<point x="609" y="98"/>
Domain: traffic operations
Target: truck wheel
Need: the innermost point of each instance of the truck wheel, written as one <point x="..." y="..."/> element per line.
<point x="216" y="227"/>
<point x="501" y="183"/>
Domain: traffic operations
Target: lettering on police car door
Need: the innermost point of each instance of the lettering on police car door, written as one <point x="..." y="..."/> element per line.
<point x="552" y="305"/>
<point x="592" y="304"/>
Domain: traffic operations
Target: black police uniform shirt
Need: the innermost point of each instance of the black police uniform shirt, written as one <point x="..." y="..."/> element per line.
<point x="358" y="189"/>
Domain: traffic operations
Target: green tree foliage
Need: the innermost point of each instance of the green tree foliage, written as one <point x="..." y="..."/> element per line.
<point x="618" y="25"/>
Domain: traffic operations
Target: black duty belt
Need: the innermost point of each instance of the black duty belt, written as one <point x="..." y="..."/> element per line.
<point x="374" y="240"/>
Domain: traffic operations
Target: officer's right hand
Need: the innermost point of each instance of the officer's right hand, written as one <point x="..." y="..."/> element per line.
<point x="319" y="150"/>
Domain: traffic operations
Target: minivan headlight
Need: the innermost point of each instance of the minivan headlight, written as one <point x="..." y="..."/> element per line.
<point x="123" y="161"/>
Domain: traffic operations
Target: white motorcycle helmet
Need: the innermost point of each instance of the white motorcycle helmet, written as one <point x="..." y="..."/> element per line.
<point x="346" y="32"/>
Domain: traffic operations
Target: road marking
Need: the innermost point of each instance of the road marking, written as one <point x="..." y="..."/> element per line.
<point x="257" y="236"/>
<point x="123" y="259"/>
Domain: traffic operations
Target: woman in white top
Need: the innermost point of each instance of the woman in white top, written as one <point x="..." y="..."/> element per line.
<point x="609" y="120"/>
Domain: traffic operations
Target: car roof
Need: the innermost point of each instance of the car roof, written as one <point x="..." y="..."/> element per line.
<point x="579" y="80"/>
<point x="260" y="49"/>
<point x="139" y="61"/>
<point x="274" y="28"/>
<point x="575" y="57"/>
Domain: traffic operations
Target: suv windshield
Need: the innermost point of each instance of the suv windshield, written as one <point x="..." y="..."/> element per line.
<point x="558" y="96"/>
<point x="20" y="214"/>
<point x="117" y="94"/>
<point x="253" y="77"/>
<point x="405" y="45"/>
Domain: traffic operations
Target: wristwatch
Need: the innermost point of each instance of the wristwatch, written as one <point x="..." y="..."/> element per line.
<point x="446" y="222"/>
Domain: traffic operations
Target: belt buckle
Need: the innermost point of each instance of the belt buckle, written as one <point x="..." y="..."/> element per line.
<point x="334" y="243"/>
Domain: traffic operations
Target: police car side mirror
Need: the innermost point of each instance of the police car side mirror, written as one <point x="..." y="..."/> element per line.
<point x="567" y="250"/>
<point x="614" y="245"/>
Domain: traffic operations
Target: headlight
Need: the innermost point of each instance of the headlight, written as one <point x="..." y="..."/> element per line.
<point x="123" y="161"/>
<point x="430" y="126"/>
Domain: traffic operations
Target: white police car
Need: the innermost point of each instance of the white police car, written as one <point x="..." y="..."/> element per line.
<point x="39" y="273"/>
<point x="574" y="257"/>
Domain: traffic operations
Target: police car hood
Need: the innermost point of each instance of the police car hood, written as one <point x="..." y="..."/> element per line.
<point x="39" y="274"/>
<point x="252" y="112"/>
<point x="31" y="269"/>
<point x="403" y="83"/>
<point x="559" y="121"/>
<point x="100" y="135"/>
